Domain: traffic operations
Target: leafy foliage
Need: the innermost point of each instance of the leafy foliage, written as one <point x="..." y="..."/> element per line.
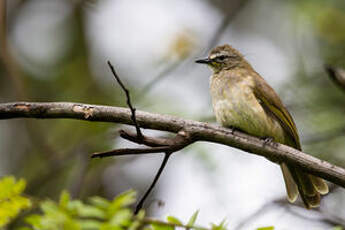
<point x="11" y="200"/>
<point x="96" y="213"/>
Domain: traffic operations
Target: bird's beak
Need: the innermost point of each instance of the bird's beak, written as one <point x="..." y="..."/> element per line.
<point x="203" y="61"/>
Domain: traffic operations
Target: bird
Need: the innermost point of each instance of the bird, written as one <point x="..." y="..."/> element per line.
<point x="243" y="100"/>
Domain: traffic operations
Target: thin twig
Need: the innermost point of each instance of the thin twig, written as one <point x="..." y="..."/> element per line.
<point x="140" y="135"/>
<point x="181" y="140"/>
<point x="157" y="144"/>
<point x="130" y="151"/>
<point x="148" y="141"/>
<point x="158" y="174"/>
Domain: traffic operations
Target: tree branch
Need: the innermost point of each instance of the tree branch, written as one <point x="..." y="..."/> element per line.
<point x="199" y="131"/>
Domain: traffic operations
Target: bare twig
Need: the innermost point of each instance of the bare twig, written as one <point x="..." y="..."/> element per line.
<point x="140" y="135"/>
<point x="198" y="130"/>
<point x="158" y="145"/>
<point x="130" y="151"/>
<point x="158" y="174"/>
<point x="180" y="141"/>
<point x="148" y="141"/>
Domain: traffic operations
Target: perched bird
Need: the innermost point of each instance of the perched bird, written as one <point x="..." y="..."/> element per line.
<point x="243" y="100"/>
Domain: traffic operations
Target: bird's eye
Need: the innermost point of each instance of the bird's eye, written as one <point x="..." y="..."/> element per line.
<point x="221" y="58"/>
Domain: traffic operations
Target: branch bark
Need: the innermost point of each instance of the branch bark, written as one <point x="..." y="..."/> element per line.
<point x="199" y="131"/>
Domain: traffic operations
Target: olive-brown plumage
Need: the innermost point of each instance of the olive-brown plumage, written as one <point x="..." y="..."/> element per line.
<point x="242" y="99"/>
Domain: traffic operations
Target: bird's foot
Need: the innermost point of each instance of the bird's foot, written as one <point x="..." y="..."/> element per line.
<point x="233" y="129"/>
<point x="267" y="140"/>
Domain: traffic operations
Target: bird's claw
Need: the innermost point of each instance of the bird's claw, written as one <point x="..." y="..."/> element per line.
<point x="267" y="140"/>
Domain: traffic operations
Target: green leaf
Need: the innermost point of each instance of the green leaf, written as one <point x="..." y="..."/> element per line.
<point x="34" y="220"/>
<point x="99" y="202"/>
<point x="173" y="220"/>
<point x="85" y="210"/>
<point x="137" y="223"/>
<point x="221" y="226"/>
<point x="11" y="200"/>
<point x="9" y="187"/>
<point x="122" y="200"/>
<point x="49" y="207"/>
<point x="141" y="215"/>
<point x="64" y="199"/>
<point x="90" y="224"/>
<point x="266" y="228"/>
<point x="121" y="218"/>
<point x="192" y="219"/>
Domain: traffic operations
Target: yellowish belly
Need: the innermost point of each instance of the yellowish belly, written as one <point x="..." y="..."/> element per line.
<point x="236" y="106"/>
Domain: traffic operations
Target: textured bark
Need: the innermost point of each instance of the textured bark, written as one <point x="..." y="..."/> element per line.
<point x="199" y="131"/>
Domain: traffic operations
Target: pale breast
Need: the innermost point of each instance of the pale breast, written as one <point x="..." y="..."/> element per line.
<point x="235" y="104"/>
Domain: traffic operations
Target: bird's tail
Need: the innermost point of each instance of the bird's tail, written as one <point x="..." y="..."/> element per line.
<point x="308" y="186"/>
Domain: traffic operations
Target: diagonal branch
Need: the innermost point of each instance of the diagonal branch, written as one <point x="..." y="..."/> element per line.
<point x="200" y="131"/>
<point x="154" y="182"/>
<point x="140" y="135"/>
<point x="130" y="151"/>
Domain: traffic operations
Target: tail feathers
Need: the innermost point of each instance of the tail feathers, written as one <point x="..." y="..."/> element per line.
<point x="311" y="201"/>
<point x="319" y="184"/>
<point x="308" y="186"/>
<point x="290" y="185"/>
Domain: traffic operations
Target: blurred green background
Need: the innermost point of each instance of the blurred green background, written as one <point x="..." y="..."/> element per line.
<point x="56" y="50"/>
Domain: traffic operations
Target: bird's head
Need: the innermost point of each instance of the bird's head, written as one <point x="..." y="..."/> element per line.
<point x="224" y="57"/>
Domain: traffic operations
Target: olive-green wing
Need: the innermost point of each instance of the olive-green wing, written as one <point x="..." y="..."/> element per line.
<point x="272" y="105"/>
<point x="308" y="186"/>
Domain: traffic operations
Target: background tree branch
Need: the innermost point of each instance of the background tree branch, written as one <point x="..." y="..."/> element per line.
<point x="198" y="131"/>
